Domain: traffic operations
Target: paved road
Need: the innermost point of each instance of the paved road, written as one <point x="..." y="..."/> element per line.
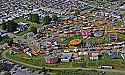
<point x="105" y="70"/>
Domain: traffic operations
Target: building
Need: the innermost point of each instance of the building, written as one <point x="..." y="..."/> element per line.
<point x="22" y="26"/>
<point x="51" y="60"/>
<point x="115" y="55"/>
<point x="66" y="57"/>
<point x="93" y="55"/>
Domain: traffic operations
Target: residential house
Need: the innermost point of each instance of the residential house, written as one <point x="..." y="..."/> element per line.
<point x="66" y="57"/>
<point x="94" y="55"/>
<point x="115" y="55"/>
<point x="22" y="26"/>
<point x="51" y="60"/>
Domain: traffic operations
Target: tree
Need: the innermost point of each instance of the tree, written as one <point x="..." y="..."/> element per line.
<point x="120" y="23"/>
<point x="10" y="26"/>
<point x="3" y="26"/>
<point x="0" y="38"/>
<point x="77" y="12"/>
<point x="46" y="20"/>
<point x="1" y="67"/>
<point x="34" y="18"/>
<point x="54" y="18"/>
<point x="34" y="30"/>
<point x="7" y="73"/>
<point x="39" y="72"/>
<point x="44" y="70"/>
<point x="10" y="42"/>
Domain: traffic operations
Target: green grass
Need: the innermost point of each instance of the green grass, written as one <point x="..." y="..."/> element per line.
<point x="121" y="36"/>
<point x="76" y="72"/>
<point x="34" y="60"/>
<point x="104" y="60"/>
<point x="82" y="72"/>
<point x="119" y="23"/>
<point x="112" y="73"/>
<point x="100" y="40"/>
<point x="4" y="40"/>
<point x="21" y="19"/>
<point x="32" y="24"/>
<point x="22" y="33"/>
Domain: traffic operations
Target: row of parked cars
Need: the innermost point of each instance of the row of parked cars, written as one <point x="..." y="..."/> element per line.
<point x="18" y="69"/>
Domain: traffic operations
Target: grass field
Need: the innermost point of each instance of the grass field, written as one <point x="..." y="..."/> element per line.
<point x="32" y="24"/>
<point x="34" y="60"/>
<point x="22" y="33"/>
<point x="4" y="40"/>
<point x="21" y="19"/>
<point x="83" y="72"/>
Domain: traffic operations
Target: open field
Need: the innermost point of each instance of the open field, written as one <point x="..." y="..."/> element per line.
<point x="32" y="24"/>
<point x="83" y="72"/>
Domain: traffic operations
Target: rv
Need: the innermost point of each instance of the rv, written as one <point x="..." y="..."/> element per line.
<point x="105" y="67"/>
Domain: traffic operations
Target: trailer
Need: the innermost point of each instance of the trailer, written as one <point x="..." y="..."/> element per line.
<point x="105" y="67"/>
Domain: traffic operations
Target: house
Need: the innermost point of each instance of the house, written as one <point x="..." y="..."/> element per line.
<point x="30" y="35"/>
<point x="22" y="26"/>
<point x="85" y="53"/>
<point x="93" y="55"/>
<point x="75" y="56"/>
<point x="51" y="60"/>
<point x="66" y="50"/>
<point x="86" y="34"/>
<point x="75" y="49"/>
<point x="122" y="7"/>
<point x="113" y="37"/>
<point x="98" y="33"/>
<point x="3" y="34"/>
<point x="115" y="55"/>
<point x="28" y="51"/>
<point x="66" y="57"/>
<point x="123" y="55"/>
